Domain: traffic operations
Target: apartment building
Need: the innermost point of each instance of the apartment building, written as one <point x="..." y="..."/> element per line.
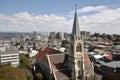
<point x="10" y="56"/>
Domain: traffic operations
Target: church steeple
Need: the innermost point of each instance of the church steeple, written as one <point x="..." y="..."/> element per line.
<point x="76" y="58"/>
<point x="75" y="30"/>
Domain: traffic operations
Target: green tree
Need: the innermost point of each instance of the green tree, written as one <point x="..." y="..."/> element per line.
<point x="34" y="46"/>
<point x="21" y="47"/>
<point x="25" y="62"/>
<point x="91" y="48"/>
<point x="29" y="50"/>
<point x="111" y="76"/>
<point x="96" y="35"/>
<point x="29" y="74"/>
<point x="39" y="76"/>
<point x="65" y="43"/>
<point x="12" y="73"/>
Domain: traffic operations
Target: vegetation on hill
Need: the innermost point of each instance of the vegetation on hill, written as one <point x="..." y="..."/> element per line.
<point x="12" y="73"/>
<point x="39" y="76"/>
<point x="65" y="43"/>
<point x="25" y="62"/>
<point x="111" y="76"/>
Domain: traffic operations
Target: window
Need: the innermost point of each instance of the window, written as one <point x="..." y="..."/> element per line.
<point x="79" y="75"/>
<point x="79" y="64"/>
<point x="78" y="48"/>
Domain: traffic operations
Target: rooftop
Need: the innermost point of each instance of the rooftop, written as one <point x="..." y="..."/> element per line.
<point x="10" y="50"/>
<point x="42" y="54"/>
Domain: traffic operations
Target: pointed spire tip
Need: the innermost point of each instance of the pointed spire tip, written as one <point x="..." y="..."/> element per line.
<point x="75" y="6"/>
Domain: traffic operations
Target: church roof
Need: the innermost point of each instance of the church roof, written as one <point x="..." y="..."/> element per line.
<point x="75" y="30"/>
<point x="86" y="59"/>
<point x="42" y="54"/>
<point x="61" y="75"/>
<point x="56" y="61"/>
<point x="57" y="65"/>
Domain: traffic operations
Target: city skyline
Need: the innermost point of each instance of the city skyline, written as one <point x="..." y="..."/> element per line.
<point x="47" y="16"/>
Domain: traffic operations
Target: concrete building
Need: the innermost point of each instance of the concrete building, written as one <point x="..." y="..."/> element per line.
<point x="2" y="48"/>
<point x="59" y="35"/>
<point x="44" y="37"/>
<point x="52" y="35"/>
<point x="35" y="36"/>
<point x="11" y="56"/>
<point x="65" y="36"/>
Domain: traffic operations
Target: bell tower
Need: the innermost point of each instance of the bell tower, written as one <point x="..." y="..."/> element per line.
<point x="76" y="58"/>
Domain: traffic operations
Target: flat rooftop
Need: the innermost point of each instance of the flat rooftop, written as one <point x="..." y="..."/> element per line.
<point x="113" y="64"/>
<point x="10" y="50"/>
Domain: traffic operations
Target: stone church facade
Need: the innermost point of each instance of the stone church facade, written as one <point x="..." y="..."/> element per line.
<point x="75" y="65"/>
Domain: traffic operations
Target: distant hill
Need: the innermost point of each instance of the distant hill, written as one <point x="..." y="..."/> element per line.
<point x="8" y="35"/>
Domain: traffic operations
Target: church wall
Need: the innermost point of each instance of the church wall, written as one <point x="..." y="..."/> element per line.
<point x="44" y="68"/>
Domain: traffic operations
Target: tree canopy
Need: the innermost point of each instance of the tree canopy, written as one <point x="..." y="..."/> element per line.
<point x="111" y="76"/>
<point x="12" y="73"/>
<point x="65" y="43"/>
<point x="25" y="62"/>
<point x="39" y="76"/>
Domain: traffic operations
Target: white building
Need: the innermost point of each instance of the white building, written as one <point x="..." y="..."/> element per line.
<point x="44" y="37"/>
<point x="11" y="56"/>
<point x="33" y="53"/>
<point x="2" y="48"/>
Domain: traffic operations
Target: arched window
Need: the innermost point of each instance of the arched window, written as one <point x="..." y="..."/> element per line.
<point x="79" y="75"/>
<point x="78" y="48"/>
<point x="79" y="64"/>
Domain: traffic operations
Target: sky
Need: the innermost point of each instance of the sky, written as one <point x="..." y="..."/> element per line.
<point x="96" y="16"/>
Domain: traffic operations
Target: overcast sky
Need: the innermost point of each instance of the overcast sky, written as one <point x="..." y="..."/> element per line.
<point x="57" y="15"/>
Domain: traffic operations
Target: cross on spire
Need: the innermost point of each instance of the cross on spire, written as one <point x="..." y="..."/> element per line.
<point x="75" y="30"/>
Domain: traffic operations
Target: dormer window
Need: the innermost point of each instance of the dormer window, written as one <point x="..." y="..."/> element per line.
<point x="78" y="48"/>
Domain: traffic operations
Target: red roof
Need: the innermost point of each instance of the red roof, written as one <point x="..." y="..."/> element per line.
<point x="42" y="54"/>
<point x="107" y="43"/>
<point x="86" y="59"/>
<point x="110" y="57"/>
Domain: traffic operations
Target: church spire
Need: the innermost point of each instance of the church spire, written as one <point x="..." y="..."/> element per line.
<point x="75" y="30"/>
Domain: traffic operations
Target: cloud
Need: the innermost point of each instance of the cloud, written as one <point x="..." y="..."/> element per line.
<point x="23" y="21"/>
<point x="101" y="19"/>
<point x="107" y="20"/>
<point x="91" y="8"/>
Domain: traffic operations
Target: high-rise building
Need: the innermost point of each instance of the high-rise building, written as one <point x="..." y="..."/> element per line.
<point x="35" y="36"/>
<point x="52" y="35"/>
<point x="59" y="35"/>
<point x="44" y="37"/>
<point x="65" y="35"/>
